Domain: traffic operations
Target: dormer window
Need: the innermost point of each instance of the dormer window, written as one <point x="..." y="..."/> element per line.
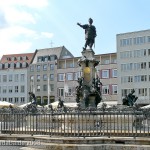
<point x="45" y="58"/>
<point x="8" y="58"/>
<point x="13" y="58"/>
<point x="19" y="58"/>
<point x="53" y="57"/>
<point x="24" y="58"/>
<point x="40" y="59"/>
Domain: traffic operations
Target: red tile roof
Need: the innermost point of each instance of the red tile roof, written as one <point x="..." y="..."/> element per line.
<point x="8" y="58"/>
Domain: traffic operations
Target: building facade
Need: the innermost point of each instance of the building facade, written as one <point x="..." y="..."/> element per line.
<point x="52" y="73"/>
<point x="106" y="70"/>
<point x="133" y="60"/>
<point x="13" y="78"/>
<point x="42" y="73"/>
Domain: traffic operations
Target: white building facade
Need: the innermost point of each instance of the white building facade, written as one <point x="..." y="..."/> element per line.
<point x="133" y="63"/>
<point x="13" y="78"/>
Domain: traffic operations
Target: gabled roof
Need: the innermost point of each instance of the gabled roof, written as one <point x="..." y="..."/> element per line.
<point x="60" y="52"/>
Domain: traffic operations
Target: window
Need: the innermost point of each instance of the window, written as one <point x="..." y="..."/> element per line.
<point x="24" y="64"/>
<point x="51" y="87"/>
<point x="105" y="73"/>
<point x="10" y="77"/>
<point x="22" y="99"/>
<point x="70" y="65"/>
<point x="148" y="39"/>
<point x="38" y="67"/>
<point x="16" y="99"/>
<point x="106" y="61"/>
<point x="32" y="68"/>
<point x="12" y="65"/>
<point x="22" y="78"/>
<point x="16" y="89"/>
<point x="51" y="66"/>
<point x="4" y="99"/>
<point x="140" y="78"/>
<point x="31" y="78"/>
<point x="61" y="77"/>
<point x="19" y="58"/>
<point x="77" y="75"/>
<point x="16" y="77"/>
<point x="69" y="76"/>
<point x="44" y="87"/>
<point x="4" y="89"/>
<point x="126" y="54"/>
<point x="38" y="88"/>
<point x="53" y="57"/>
<point x="10" y="100"/>
<point x="114" y="61"/>
<point x="140" y="53"/>
<point x="1" y="66"/>
<point x="18" y="65"/>
<point x="52" y="77"/>
<point x="114" y="73"/>
<point x="44" y="77"/>
<point x="142" y="92"/>
<point x="13" y="58"/>
<point x="6" y="65"/>
<point x="44" y="67"/>
<point x="40" y="59"/>
<point x="139" y="40"/>
<point x="38" y="78"/>
<point x="24" y="58"/>
<point x="4" y="78"/>
<point x="105" y="89"/>
<point x="45" y="58"/>
<point x="126" y="42"/>
<point x="10" y="89"/>
<point x="22" y="90"/>
<point x="114" y="89"/>
<point x="69" y="93"/>
<point x="61" y="92"/>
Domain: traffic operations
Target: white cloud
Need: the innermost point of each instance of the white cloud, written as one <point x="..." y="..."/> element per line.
<point x="27" y="3"/>
<point x="14" y="16"/>
<point x="18" y="15"/>
<point x="16" y="31"/>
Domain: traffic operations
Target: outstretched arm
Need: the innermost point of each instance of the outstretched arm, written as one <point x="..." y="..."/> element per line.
<point x="79" y="24"/>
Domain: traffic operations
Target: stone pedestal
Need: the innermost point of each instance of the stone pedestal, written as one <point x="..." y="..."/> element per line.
<point x="88" y="91"/>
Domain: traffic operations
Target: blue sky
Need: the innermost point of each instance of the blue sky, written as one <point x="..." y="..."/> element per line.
<point x="27" y="25"/>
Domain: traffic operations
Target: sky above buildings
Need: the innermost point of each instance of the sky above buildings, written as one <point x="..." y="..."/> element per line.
<point x="27" y="25"/>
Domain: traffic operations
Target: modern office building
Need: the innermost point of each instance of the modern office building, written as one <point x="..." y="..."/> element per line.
<point x="133" y="60"/>
<point x="13" y="77"/>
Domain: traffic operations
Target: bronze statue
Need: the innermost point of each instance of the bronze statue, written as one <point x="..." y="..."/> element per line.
<point x="90" y="34"/>
<point x="130" y="99"/>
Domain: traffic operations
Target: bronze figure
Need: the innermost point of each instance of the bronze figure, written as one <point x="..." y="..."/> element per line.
<point x="90" y="34"/>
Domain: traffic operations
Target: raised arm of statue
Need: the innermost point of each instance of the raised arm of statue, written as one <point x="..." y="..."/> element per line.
<point x="79" y="24"/>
